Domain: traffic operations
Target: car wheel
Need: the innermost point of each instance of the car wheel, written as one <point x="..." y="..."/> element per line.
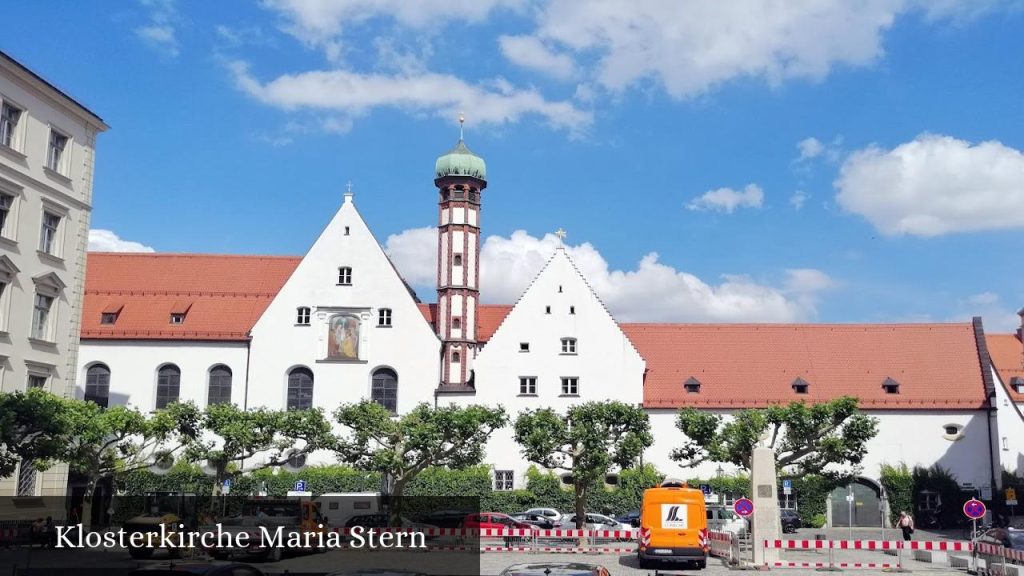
<point x="700" y="564"/>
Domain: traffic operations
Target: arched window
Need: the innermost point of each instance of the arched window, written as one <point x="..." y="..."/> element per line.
<point x="97" y="385"/>
<point x="300" y="389"/>
<point x="168" y="385"/>
<point x="385" y="389"/>
<point x="219" y="391"/>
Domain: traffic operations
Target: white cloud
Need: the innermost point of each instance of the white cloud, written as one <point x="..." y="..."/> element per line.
<point x="728" y="200"/>
<point x="798" y="199"/>
<point x="935" y="185"/>
<point x="529" y="52"/>
<point x="984" y="298"/>
<point x="650" y="292"/>
<point x="810" y="148"/>
<point x="996" y="316"/>
<point x="322" y="23"/>
<point x="107" y="241"/>
<point x="160" y="32"/>
<point x="443" y="95"/>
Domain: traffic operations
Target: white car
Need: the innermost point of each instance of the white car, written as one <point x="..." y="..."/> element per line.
<point x="723" y="519"/>
<point x="593" y="522"/>
<point x="550" y="513"/>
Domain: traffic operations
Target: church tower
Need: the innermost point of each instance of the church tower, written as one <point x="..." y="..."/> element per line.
<point x="460" y="177"/>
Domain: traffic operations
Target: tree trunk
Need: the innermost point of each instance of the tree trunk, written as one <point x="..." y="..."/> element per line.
<point x="581" y="510"/>
<point x="395" y="501"/>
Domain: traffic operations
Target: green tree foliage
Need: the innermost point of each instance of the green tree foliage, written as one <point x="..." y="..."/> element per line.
<point x="826" y="439"/>
<point x="951" y="497"/>
<point x="34" y="425"/>
<point x="403" y="447"/>
<point x="587" y="442"/>
<point x="232" y="435"/>
<point x="898" y="482"/>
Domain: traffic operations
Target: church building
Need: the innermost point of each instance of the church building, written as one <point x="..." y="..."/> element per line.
<point x="339" y="324"/>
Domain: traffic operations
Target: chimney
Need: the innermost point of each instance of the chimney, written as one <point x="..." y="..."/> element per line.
<point x="1020" y="331"/>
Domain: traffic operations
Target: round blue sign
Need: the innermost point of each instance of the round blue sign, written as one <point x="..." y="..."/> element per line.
<point x="974" y="509"/>
<point x="743" y="507"/>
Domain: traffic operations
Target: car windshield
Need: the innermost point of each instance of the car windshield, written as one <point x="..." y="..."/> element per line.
<point x="1016" y="539"/>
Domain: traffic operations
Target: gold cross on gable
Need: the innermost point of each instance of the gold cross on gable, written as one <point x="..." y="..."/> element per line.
<point x="561" y="234"/>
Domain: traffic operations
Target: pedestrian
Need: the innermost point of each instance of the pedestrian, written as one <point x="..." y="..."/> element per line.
<point x="906" y="524"/>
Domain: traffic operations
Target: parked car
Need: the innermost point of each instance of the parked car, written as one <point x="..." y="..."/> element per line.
<point x="445" y="518"/>
<point x="498" y="521"/>
<point x="542" y="522"/>
<point x="197" y="568"/>
<point x="723" y="519"/>
<point x="632" y="518"/>
<point x="594" y="522"/>
<point x="790" y="521"/>
<point x="551" y="513"/>
<point x="382" y="521"/>
<point x="555" y="569"/>
<point x="1005" y="537"/>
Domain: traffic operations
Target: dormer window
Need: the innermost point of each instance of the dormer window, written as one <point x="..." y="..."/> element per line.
<point x="891" y="386"/>
<point x="108" y="318"/>
<point x="110" y="313"/>
<point x="692" y="385"/>
<point x="1017" y="383"/>
<point x="800" y="386"/>
<point x="345" y="276"/>
<point x="177" y="318"/>
<point x="178" y="312"/>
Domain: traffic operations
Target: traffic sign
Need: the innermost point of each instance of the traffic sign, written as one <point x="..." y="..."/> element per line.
<point x="787" y="487"/>
<point x="743" y="507"/>
<point x="706" y="489"/>
<point x="974" y="509"/>
<point x="226" y="486"/>
<point x="1011" y="497"/>
<point x="300" y="486"/>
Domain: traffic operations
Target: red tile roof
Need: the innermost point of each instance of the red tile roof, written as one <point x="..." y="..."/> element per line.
<point x="743" y="365"/>
<point x="738" y="365"/>
<point x="490" y="317"/>
<point x="222" y="296"/>
<point x="1007" y="354"/>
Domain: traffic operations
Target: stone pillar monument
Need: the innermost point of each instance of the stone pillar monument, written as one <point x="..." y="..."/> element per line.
<point x="765" y="525"/>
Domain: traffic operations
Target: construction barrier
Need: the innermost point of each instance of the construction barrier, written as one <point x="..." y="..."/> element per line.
<point x="886" y="546"/>
<point x="996" y="556"/>
<point x="524" y="540"/>
<point x="724" y="545"/>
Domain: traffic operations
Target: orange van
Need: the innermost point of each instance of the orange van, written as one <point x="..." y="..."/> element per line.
<point x="673" y="525"/>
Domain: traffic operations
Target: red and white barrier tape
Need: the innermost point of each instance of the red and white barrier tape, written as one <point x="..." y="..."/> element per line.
<point x="868" y="565"/>
<point x="510" y="532"/>
<point x="995" y="550"/>
<point x="868" y="545"/>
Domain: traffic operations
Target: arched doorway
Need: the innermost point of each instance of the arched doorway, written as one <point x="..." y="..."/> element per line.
<point x="865" y="505"/>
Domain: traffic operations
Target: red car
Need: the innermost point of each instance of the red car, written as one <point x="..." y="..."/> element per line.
<point x="499" y="521"/>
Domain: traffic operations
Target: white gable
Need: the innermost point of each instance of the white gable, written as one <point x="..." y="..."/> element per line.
<point x="343" y="359"/>
<point x="558" y="304"/>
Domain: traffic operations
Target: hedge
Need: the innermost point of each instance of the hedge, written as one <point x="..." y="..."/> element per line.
<point x="898" y="483"/>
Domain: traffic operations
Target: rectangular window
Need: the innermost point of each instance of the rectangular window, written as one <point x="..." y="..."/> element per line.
<point x="568" y="345"/>
<point x="55" y="151"/>
<point x="177" y="318"/>
<point x="41" y="317"/>
<point x="48" y="234"/>
<point x="527" y="384"/>
<point x="570" y="386"/>
<point x="108" y="318"/>
<point x="26" y="479"/>
<point x="302" y="316"/>
<point x="384" y="317"/>
<point x="6" y="202"/>
<point x="36" y="381"/>
<point x="524" y="346"/>
<point x="503" y="479"/>
<point x="345" y="276"/>
<point x="457" y="260"/>
<point x="9" y="118"/>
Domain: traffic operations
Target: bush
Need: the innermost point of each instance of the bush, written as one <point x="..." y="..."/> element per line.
<point x="898" y="482"/>
<point x="817" y="521"/>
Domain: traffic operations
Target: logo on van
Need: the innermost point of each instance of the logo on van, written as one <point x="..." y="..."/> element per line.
<point x="673" y="516"/>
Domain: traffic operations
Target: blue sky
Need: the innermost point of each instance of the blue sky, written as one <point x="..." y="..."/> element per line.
<point x="823" y="161"/>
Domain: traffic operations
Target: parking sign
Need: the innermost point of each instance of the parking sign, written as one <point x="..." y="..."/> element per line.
<point x="300" y="485"/>
<point x="787" y="486"/>
<point x="706" y="489"/>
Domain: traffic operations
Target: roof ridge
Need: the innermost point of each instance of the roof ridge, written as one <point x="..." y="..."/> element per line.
<point x="194" y="255"/>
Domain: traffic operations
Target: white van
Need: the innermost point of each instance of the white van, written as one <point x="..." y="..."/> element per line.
<point x="338" y="507"/>
<point x="723" y="519"/>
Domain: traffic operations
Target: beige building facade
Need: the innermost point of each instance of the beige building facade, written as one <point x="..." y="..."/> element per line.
<point x="47" y="157"/>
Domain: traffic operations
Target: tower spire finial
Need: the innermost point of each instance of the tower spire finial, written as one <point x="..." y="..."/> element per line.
<point x="462" y="120"/>
<point x="561" y="233"/>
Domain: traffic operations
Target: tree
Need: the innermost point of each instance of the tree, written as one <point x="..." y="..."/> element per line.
<point x="828" y="439"/>
<point x="586" y="442"/>
<point x="401" y="448"/>
<point x="34" y="426"/>
<point x="232" y="435"/>
<point x="111" y="442"/>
